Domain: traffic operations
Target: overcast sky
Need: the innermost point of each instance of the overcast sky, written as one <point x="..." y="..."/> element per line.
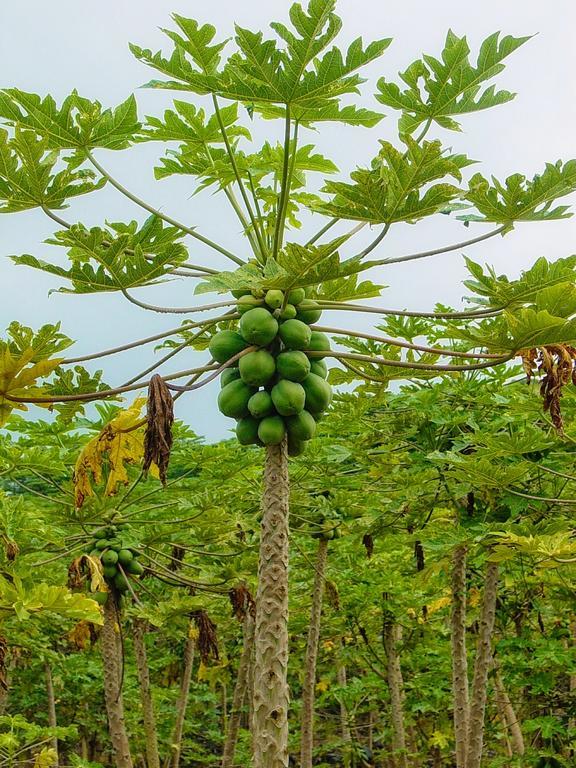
<point x="57" y="46"/>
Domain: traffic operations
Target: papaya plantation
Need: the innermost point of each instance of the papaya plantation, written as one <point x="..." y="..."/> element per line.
<point x="375" y="566"/>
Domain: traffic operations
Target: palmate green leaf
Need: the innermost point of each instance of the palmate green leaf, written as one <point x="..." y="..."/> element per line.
<point x="348" y="289"/>
<point x="391" y="190"/>
<point x="265" y="72"/>
<point x="23" y="600"/>
<point x="46" y="342"/>
<point x="498" y="291"/>
<point x="78" y="124"/>
<point x="521" y="199"/>
<point x="190" y="125"/>
<point x="29" y="179"/>
<point x="451" y="84"/>
<point x="482" y="473"/>
<point x="104" y="261"/>
<point x="328" y="111"/>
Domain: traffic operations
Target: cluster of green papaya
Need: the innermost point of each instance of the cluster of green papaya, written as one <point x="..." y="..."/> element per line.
<point x="280" y="388"/>
<point x="327" y="526"/>
<point x="119" y="561"/>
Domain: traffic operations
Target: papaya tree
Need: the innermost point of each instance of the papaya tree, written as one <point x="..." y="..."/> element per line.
<point x="264" y="337"/>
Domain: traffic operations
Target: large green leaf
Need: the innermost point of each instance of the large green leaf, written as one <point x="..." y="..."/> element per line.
<point x="112" y="261"/>
<point x="78" y="124"/>
<point x="29" y="178"/>
<point x="440" y="88"/>
<point x="521" y="199"/>
<point x="399" y="185"/>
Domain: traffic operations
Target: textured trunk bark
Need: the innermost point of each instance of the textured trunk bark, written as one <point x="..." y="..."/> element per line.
<point x="150" y="734"/>
<point x="510" y="717"/>
<point x="112" y="668"/>
<point x="345" y="731"/>
<point x="309" y="687"/>
<point x="51" y="699"/>
<point x="271" y="695"/>
<point x="459" y="658"/>
<point x="504" y="721"/>
<point x="240" y="692"/>
<point x="392" y="636"/>
<point x="481" y="668"/>
<point x="176" y="742"/>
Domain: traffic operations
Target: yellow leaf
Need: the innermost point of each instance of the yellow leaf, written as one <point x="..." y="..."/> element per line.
<point x="473" y="597"/>
<point x="17" y="377"/>
<point x="119" y="444"/>
<point x="328" y="645"/>
<point x="193" y="633"/>
<point x="437" y="605"/>
<point x="438" y="739"/>
<point x="45" y="758"/>
<point x="322" y="686"/>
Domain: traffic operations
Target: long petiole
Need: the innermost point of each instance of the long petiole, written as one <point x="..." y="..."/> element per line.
<point x="156" y="212"/>
<point x="344" y="306"/>
<point x="409" y="365"/>
<point x="278" y="231"/>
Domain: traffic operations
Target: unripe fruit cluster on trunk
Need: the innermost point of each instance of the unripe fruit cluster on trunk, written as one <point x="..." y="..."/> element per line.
<point x="119" y="560"/>
<point x="279" y="389"/>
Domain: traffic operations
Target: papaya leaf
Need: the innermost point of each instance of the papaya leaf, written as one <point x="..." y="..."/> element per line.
<point x="23" y="600"/>
<point x="123" y="259"/>
<point x="438" y="89"/>
<point x="119" y="444"/>
<point x="25" y="358"/>
<point x="78" y="124"/>
<point x="521" y="199"/>
<point x="391" y="190"/>
<point x="190" y="125"/>
<point x="28" y="178"/>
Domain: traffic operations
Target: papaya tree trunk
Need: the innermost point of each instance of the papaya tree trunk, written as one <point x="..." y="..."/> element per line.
<point x="345" y="733"/>
<point x="271" y="695"/>
<point x="51" y="700"/>
<point x="510" y="717"/>
<point x="181" y="706"/>
<point x="308" y="690"/>
<point x="392" y="636"/>
<point x="112" y="662"/>
<point x="150" y="734"/>
<point x="240" y="692"/>
<point x="482" y="664"/>
<point x="459" y="658"/>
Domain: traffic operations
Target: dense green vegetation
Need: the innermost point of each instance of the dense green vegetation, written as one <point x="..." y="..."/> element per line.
<point x="148" y="612"/>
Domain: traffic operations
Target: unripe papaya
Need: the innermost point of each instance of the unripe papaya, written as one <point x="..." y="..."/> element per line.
<point x="109" y="572"/>
<point x="257" y="326"/>
<point x="226" y="344"/>
<point x="228" y="375"/>
<point x="240" y="292"/>
<point x="295" y="334"/>
<point x="121" y="582"/>
<point x="295" y="447"/>
<point x="296" y="295"/>
<point x="135" y="568"/>
<point x="301" y="427"/>
<point x="271" y="430"/>
<point x="260" y="405"/>
<point x="125" y="556"/>
<point x="319" y="367"/>
<point x="288" y="397"/>
<point x="288" y="313"/>
<point x="248" y="302"/>
<point x="99" y="597"/>
<point x="308" y="312"/>
<point x="257" y="368"/>
<point x="109" y="557"/>
<point x="247" y="430"/>
<point x="318" y="393"/>
<point x="293" y="365"/>
<point x="274" y="299"/>
<point x="233" y="399"/>
<point x="319" y="342"/>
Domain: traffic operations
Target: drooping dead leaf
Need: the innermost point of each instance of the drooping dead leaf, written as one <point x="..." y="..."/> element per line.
<point x="160" y="417"/>
<point x="86" y="568"/>
<point x="207" y="639"/>
<point x="119" y="444"/>
<point x="242" y="602"/>
<point x="558" y="364"/>
<point x="332" y="595"/>
<point x="83" y="635"/>
<point x="3" y="659"/>
<point x="176" y="557"/>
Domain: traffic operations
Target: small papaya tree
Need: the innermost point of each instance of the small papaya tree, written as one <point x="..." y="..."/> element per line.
<point x="265" y="337"/>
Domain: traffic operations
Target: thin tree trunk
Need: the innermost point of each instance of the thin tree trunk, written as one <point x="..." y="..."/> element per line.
<point x="345" y="731"/>
<point x="181" y="706"/>
<point x="510" y="717"/>
<point x="150" y="733"/>
<point x="392" y="636"/>
<point x="271" y="694"/>
<point x="572" y="681"/>
<point x="459" y="658"/>
<point x="309" y="687"/>
<point x="504" y="721"/>
<point x="52" y="720"/>
<point x="240" y="692"/>
<point x="481" y="669"/>
<point x="112" y="668"/>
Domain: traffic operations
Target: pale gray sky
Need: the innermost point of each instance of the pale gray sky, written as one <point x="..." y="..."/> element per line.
<point x="57" y="46"/>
